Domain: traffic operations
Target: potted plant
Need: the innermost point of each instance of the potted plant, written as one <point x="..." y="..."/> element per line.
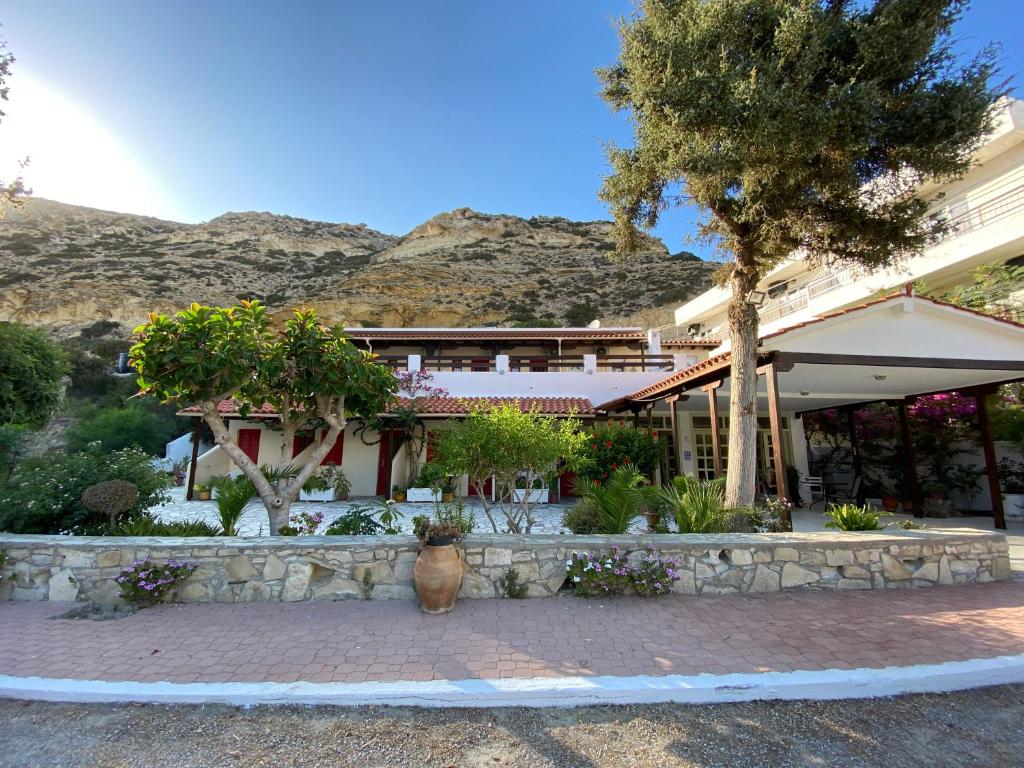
<point x="317" y="488"/>
<point x="437" y="574"/>
<point x="397" y="493"/>
<point x="202" y="491"/>
<point x="427" y="485"/>
<point x="1011" y="483"/>
<point x="890" y="501"/>
<point x="538" y="493"/>
<point x="448" y="490"/>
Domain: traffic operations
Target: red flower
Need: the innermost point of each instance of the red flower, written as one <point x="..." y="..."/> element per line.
<point x="594" y="447"/>
<point x="614" y="465"/>
<point x="607" y="444"/>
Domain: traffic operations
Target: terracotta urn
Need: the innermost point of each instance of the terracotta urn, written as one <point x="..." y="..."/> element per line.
<point x="437" y="576"/>
<point x="890" y="503"/>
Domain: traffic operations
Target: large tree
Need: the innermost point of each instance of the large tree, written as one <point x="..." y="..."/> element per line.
<point x="31" y="371"/>
<point x="797" y="127"/>
<point x="308" y="373"/>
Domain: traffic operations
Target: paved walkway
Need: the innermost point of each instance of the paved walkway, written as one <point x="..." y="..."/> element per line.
<point x="354" y="642"/>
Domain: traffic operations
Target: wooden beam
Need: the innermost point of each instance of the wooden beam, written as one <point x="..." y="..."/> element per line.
<point x="716" y="441"/>
<point x="778" y="453"/>
<point x="195" y="459"/>
<point x="958" y="363"/>
<point x="676" y="463"/>
<point x="998" y="514"/>
<point x="910" y="460"/>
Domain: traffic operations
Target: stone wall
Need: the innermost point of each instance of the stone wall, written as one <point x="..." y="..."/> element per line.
<point x="333" y="567"/>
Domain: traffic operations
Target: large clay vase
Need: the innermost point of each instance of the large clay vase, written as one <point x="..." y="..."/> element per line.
<point x="438" y="576"/>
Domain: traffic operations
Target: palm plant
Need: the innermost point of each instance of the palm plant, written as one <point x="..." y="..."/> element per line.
<point x="850" y="517"/>
<point x="233" y="494"/>
<point x="622" y="498"/>
<point x="698" y="506"/>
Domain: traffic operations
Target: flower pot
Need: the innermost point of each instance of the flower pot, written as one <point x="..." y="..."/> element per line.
<point x="437" y="576"/>
<point x="399" y="497"/>
<point x="890" y="503"/>
<point x="326" y="494"/>
<point x="447" y="497"/>
<point x="204" y="495"/>
<point x="1013" y="506"/>
<point x="908" y="505"/>
<point x="422" y="494"/>
<point x="537" y="495"/>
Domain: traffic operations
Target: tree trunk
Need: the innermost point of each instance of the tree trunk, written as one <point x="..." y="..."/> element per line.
<point x="742" y="471"/>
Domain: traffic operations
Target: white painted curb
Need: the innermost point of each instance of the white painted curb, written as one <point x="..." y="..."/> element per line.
<point x="544" y="691"/>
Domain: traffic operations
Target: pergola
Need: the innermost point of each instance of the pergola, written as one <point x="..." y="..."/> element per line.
<point x="891" y="350"/>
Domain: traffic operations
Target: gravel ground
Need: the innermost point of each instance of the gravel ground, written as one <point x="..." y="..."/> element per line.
<point x="972" y="728"/>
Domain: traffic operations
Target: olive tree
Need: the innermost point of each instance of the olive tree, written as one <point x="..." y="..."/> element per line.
<point x="515" y="447"/>
<point x="795" y="126"/>
<point x="308" y="373"/>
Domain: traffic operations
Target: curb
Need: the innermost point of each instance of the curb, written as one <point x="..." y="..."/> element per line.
<point x="543" y="691"/>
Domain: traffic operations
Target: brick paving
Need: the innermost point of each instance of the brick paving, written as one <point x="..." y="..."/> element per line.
<point x="562" y="636"/>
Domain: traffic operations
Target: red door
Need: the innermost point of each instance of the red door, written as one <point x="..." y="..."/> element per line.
<point x="488" y="488"/>
<point x="566" y="483"/>
<point x="384" y="459"/>
<point x="301" y="443"/>
<point x="249" y="442"/>
<point x="336" y="452"/>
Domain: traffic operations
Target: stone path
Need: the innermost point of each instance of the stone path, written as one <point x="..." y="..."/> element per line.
<point x="548" y="637"/>
<point x="254" y="520"/>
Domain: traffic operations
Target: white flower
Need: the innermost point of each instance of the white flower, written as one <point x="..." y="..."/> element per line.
<point x="576" y="578"/>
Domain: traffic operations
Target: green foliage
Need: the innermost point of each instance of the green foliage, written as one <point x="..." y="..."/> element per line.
<point x="390" y="517"/>
<point x="44" y="495"/>
<point x="850" y="517"/>
<point x="515" y="447"/>
<point x="304" y="371"/>
<point x="432" y="475"/>
<point x="581" y="314"/>
<point x="148" y="583"/>
<point x="582" y="518"/>
<point x="366" y="584"/>
<point x="612" y="446"/>
<point x="1011" y="475"/>
<point x="31" y="368"/>
<point x="357" y="520"/>
<point x="147" y="525"/>
<point x="111" y="498"/>
<point x="622" y="498"/>
<point x="118" y="428"/>
<point x="448" y="521"/>
<point x="232" y="496"/>
<point x="510" y="586"/>
<point x="698" y="506"/>
<point x="11" y="445"/>
<point x="993" y="289"/>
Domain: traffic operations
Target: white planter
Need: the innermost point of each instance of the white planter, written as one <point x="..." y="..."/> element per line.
<point x="422" y="494"/>
<point x="537" y="495"/>
<point x="1013" y="506"/>
<point x="327" y="495"/>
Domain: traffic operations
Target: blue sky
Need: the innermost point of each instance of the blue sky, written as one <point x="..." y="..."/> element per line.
<point x="384" y="113"/>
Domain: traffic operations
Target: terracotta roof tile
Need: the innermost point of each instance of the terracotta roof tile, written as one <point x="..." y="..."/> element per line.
<point x="446" y="406"/>
<point x="496" y="334"/>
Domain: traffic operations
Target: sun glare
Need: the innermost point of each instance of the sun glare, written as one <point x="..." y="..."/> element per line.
<point x="74" y="156"/>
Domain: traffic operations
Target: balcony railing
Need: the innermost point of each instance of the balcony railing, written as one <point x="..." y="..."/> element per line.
<point x="534" y="363"/>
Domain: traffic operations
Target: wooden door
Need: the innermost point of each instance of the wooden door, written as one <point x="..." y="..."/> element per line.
<point x="384" y="459"/>
<point x="249" y="442"/>
<point x="337" y="450"/>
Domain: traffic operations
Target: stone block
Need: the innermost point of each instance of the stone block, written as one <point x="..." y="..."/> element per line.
<point x="393" y="592"/>
<point x="893" y="569"/>
<point x="497" y="556"/>
<point x="854" y="572"/>
<point x="795" y="576"/>
<point x="63" y="587"/>
<point x="474" y="585"/>
<point x="838" y="557"/>
<point x="522" y="557"/>
<point x="1001" y="568"/>
<point x="765" y="580"/>
<point x="945" y="574"/>
<point x="194" y="592"/>
<point x="741" y="557"/>
<point x="787" y="553"/>
<point x="380" y="572"/>
<point x="239" y="568"/>
<point x="296" y="581"/>
<point x="110" y="558"/>
<point x="273" y="569"/>
<point x="687" y="584"/>
<point x="928" y="572"/>
<point x="338" y="588"/>
<point x="853" y="584"/>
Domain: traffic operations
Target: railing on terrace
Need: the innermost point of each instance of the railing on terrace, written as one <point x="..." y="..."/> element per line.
<point x="961" y="219"/>
<point x="532" y="363"/>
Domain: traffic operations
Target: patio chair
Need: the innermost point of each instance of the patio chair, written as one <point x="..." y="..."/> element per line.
<point x="813" y="489"/>
<point x="851" y="495"/>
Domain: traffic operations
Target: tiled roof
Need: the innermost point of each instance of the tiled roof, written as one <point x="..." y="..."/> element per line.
<point x="446" y="406"/>
<point x="680" y="342"/>
<point x="496" y="334"/>
<point x="717" y="361"/>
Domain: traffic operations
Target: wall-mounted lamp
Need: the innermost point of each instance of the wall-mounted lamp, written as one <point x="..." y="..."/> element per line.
<point x="805" y="392"/>
<point x="756" y="298"/>
<point x="880" y="377"/>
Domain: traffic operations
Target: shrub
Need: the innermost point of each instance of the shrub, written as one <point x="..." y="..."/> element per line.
<point x="31" y="369"/>
<point x="358" y="520"/>
<point x="111" y="498"/>
<point x="510" y="586"/>
<point x="622" y="498"/>
<point x="850" y="517"/>
<point x="306" y="523"/>
<point x="615" y="571"/>
<point x="698" y="506"/>
<point x="147" y="583"/>
<point x="117" y="428"/>
<point x="582" y="517"/>
<point x="147" y="525"/>
<point x="233" y="494"/>
<point x="12" y="441"/>
<point x="608" y="448"/>
<point x="44" y="495"/>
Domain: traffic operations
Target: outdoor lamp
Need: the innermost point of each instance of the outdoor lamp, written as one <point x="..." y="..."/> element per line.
<point x="756" y="298"/>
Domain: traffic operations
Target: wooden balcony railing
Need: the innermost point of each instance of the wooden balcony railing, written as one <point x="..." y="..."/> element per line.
<point x="532" y="363"/>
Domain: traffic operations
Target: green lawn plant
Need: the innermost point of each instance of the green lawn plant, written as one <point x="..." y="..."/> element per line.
<point x="698" y="506"/>
<point x="850" y="517"/>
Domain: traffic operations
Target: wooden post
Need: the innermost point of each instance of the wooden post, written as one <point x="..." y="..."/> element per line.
<point x="851" y="425"/>
<point x="195" y="458"/>
<point x="676" y="463"/>
<point x="775" y="420"/>
<point x="998" y="514"/>
<point x="716" y="440"/>
<point x="650" y="419"/>
<point x="910" y="460"/>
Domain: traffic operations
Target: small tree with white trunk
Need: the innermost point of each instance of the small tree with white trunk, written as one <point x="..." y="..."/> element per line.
<point x="308" y="373"/>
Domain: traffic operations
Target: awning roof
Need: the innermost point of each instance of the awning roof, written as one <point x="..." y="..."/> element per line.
<point x="496" y="334"/>
<point x="887" y="349"/>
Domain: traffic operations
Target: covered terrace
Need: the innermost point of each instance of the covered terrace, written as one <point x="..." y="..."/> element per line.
<point x="891" y="350"/>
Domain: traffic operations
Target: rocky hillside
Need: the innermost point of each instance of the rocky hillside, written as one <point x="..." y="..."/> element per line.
<point x="67" y="267"/>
